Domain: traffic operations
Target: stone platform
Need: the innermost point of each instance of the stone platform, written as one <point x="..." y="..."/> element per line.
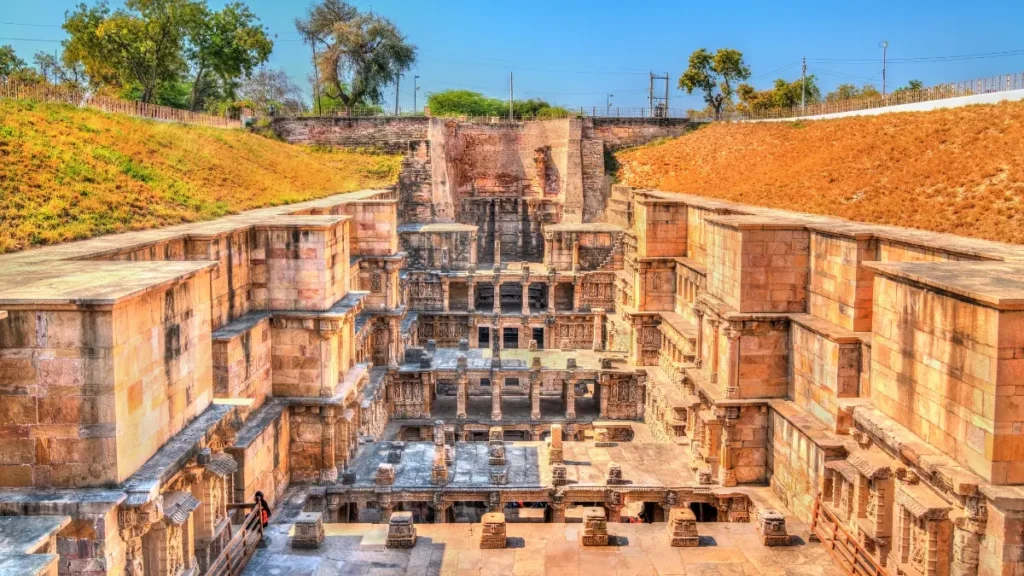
<point x="539" y="549"/>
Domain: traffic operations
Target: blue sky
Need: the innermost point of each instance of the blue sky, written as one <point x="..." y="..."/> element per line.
<point x="574" y="53"/>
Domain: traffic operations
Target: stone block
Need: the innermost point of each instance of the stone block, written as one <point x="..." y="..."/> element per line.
<point x="492" y="533"/>
<point x="401" y="531"/>
<point x="558" y="475"/>
<point x="496" y="455"/>
<point x="771" y="527"/>
<point x="595" y="528"/>
<point x="614" y="475"/>
<point x="682" y="528"/>
<point x="385" y="475"/>
<point x="499" y="475"/>
<point x="309" y="531"/>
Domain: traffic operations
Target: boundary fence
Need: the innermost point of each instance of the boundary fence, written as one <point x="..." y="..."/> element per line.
<point x="994" y="84"/>
<point x="84" y="99"/>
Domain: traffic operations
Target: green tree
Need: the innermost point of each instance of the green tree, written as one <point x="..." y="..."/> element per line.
<point x="360" y="53"/>
<point x="271" y="90"/>
<point x="54" y="71"/>
<point x="469" y="103"/>
<point x="714" y="75"/>
<point x="142" y="44"/>
<point x="912" y="86"/>
<point x="10" y="63"/>
<point x="223" y="47"/>
<point x="782" y="94"/>
<point x="851" y="92"/>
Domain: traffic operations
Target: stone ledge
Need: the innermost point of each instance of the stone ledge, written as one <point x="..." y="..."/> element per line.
<point x="993" y="284"/>
<point x="915" y="451"/>
<point x="240" y="326"/>
<point x="810" y="427"/>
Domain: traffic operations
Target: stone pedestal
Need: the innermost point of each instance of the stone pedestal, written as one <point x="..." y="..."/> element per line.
<point x="595" y="528"/>
<point x="771" y="527"/>
<point x="496" y="455"/>
<point x="309" y="531"/>
<point x="401" y="531"/>
<point x="492" y="533"/>
<point x="614" y="475"/>
<point x="555" y="444"/>
<point x="682" y="528"/>
<point x="558" y="475"/>
<point x="499" y="475"/>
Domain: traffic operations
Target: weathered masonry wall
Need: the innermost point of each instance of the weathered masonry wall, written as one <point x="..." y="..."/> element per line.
<point x="391" y="135"/>
<point x="625" y="132"/>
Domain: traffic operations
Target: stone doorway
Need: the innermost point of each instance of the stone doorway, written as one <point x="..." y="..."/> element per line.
<point x="483" y="334"/>
<point x="565" y="295"/>
<point x="538" y="294"/>
<point x="510" y="337"/>
<point x="538" y="337"/>
<point x="458" y="296"/>
<point x="511" y="298"/>
<point x="704" y="512"/>
<point x="484" y="300"/>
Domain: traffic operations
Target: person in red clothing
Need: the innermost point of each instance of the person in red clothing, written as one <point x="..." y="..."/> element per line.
<point x="264" y="509"/>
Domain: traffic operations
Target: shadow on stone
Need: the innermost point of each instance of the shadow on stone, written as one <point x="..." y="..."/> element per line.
<point x="708" y="541"/>
<point x="617" y="540"/>
<point x="515" y="542"/>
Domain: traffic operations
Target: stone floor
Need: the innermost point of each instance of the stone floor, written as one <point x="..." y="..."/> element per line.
<point x="540" y="549"/>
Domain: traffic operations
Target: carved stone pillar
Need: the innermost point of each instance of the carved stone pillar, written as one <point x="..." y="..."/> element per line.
<point x="549" y="239"/>
<point x="602" y="396"/>
<point x="713" y="352"/>
<point x="598" y="329"/>
<point x="328" y="365"/>
<point x="445" y="291"/>
<point x="535" y="380"/>
<point x="570" y="396"/>
<point x="441" y="512"/>
<point x="463" y="388"/>
<point x="496" y="384"/>
<point x="698" y="359"/>
<point x="577" y="293"/>
<point x="526" y="297"/>
<point x="497" y="295"/>
<point x="726" y="457"/>
<point x="471" y="294"/>
<point x="132" y="524"/>
<point x="394" y="334"/>
<point x="613" y="506"/>
<point x="328" y="468"/>
<point x="497" y="250"/>
<point x="557" y="510"/>
<point x="575" y="239"/>
<point x="551" y="293"/>
<point x="732" y="389"/>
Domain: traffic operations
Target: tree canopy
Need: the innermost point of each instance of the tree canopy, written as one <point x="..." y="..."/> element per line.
<point x="852" y="92"/>
<point x="716" y="75"/>
<point x="469" y="103"/>
<point x="782" y="94"/>
<point x="156" y="49"/>
<point x="359" y="53"/>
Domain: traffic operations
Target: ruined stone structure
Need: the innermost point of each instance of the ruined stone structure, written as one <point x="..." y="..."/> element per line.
<point x="504" y="334"/>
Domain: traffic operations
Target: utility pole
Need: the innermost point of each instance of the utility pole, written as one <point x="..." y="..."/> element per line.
<point x="650" y="95"/>
<point x="316" y="78"/>
<point x="511" y="99"/>
<point x="666" y="94"/>
<point x="415" y="90"/>
<point x="398" y="79"/>
<point x="803" y="84"/>
<point x="885" y="48"/>
<point x="608" y="104"/>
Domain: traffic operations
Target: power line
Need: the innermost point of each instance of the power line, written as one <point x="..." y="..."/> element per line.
<point x="6" y="38"/>
<point x="31" y="25"/>
<point x="925" y="59"/>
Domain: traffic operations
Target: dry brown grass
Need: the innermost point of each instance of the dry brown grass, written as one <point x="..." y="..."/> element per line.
<point x="959" y="170"/>
<point x="68" y="173"/>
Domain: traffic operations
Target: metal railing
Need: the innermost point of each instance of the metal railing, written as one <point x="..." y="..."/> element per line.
<point x="241" y="546"/>
<point x="85" y="99"/>
<point x="994" y="84"/>
<point x="841" y="545"/>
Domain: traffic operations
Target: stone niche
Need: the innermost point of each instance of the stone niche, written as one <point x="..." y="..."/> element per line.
<point x="924" y="530"/>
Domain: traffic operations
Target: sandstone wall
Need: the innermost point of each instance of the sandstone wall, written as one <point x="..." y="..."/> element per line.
<point x="840" y="289"/>
<point x="242" y="360"/>
<point x="945" y="368"/>
<point x="300" y="263"/>
<point x="391" y="135"/>
<point x="823" y="370"/>
<point x="661" y="229"/>
<point x="794" y="459"/>
<point x="263" y="459"/>
<point x="625" y="132"/>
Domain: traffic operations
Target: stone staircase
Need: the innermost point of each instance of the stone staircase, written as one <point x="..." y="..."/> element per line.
<point x="618" y="211"/>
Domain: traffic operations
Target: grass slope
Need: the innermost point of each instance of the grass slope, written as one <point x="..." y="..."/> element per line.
<point x="68" y="173"/>
<point x="959" y="170"/>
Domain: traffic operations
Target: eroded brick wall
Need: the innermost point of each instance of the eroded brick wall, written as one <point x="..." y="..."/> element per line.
<point x="391" y="135"/>
<point x="625" y="132"/>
